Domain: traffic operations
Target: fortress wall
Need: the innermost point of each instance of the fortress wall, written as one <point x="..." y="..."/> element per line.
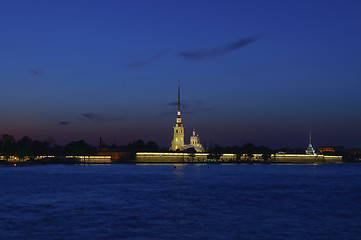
<point x="169" y="157"/>
<point x="242" y="157"/>
<point x="118" y="157"/>
<point x="151" y="157"/>
<point x="203" y="158"/>
<point x="303" y="158"/>
<point x="91" y="159"/>
<point x="159" y="157"/>
<point x="333" y="159"/>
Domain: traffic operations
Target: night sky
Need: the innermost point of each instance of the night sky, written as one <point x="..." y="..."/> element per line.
<point x="265" y="72"/>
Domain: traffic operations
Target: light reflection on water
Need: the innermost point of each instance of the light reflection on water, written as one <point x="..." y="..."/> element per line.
<point x="182" y="201"/>
<point x="178" y="169"/>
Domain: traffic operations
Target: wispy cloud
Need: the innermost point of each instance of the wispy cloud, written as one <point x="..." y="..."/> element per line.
<point x="200" y="54"/>
<point x="63" y="123"/>
<point x="141" y="63"/>
<point x="100" y="118"/>
<point x="92" y="116"/>
<point x="36" y="72"/>
<point x="187" y="107"/>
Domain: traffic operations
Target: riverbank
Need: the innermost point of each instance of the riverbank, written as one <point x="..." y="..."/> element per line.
<point x="172" y="158"/>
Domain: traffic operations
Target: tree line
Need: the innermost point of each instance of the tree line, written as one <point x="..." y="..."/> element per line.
<point x="27" y="147"/>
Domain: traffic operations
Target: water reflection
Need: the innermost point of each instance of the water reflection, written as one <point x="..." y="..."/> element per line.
<point x="181" y="201"/>
<point x="178" y="169"/>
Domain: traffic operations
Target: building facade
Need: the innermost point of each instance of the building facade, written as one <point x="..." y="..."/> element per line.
<point x="195" y="143"/>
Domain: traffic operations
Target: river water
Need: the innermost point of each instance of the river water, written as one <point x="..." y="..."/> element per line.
<point x="183" y="202"/>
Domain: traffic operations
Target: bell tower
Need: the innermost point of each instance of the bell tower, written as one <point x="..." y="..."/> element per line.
<point x="178" y="135"/>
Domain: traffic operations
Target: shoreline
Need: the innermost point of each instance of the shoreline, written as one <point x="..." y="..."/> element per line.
<point x="33" y="163"/>
<point x="180" y="158"/>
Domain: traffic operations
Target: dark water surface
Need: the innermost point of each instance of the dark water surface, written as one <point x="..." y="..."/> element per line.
<point x="186" y="202"/>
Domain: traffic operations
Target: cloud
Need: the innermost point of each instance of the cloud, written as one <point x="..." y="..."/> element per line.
<point x="36" y="72"/>
<point x="201" y="54"/>
<point x="100" y="118"/>
<point x="187" y="107"/>
<point x="63" y="123"/>
<point x="92" y="116"/>
<point x="137" y="64"/>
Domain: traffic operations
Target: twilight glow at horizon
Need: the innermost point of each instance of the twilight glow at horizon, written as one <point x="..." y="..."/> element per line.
<point x="261" y="72"/>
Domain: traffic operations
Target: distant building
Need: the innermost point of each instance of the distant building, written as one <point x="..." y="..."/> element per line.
<point x="195" y="143"/>
<point x="178" y="134"/>
<point x="326" y="149"/>
<point x="310" y="150"/>
<point x="330" y="149"/>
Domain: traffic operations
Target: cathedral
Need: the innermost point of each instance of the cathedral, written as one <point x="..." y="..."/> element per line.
<point x="178" y="135"/>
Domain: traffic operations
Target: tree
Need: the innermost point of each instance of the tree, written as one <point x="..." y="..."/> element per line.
<point x="24" y="147"/>
<point x="8" y="146"/>
<point x="192" y="152"/>
<point x="136" y="145"/>
<point x="238" y="157"/>
<point x="249" y="149"/>
<point x="39" y="148"/>
<point x="216" y="152"/>
<point x="266" y="157"/>
<point x="79" y="148"/>
<point x="151" y="146"/>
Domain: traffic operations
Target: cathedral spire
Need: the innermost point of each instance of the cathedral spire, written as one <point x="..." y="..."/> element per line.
<point x="179" y="118"/>
<point x="179" y="96"/>
<point x="310" y="150"/>
<point x="178" y="136"/>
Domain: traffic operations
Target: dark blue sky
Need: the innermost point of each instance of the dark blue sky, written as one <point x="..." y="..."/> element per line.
<point x="265" y="72"/>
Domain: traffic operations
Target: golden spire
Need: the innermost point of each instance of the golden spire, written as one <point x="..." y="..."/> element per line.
<point x="179" y="118"/>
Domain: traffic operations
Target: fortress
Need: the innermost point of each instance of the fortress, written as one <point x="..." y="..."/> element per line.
<point x="178" y="152"/>
<point x="181" y="153"/>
